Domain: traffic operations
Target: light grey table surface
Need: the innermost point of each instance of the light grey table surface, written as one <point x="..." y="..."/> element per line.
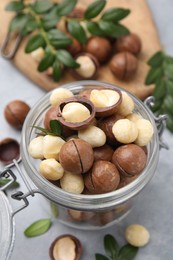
<point x="154" y="208"/>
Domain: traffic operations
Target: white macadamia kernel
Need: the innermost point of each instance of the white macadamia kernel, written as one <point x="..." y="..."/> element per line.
<point x="127" y="105"/>
<point x="145" y="132"/>
<point x="58" y="95"/>
<point x="72" y="182"/>
<point x="125" y="131"/>
<point x="75" y="112"/>
<point x="51" y="169"/>
<point x="35" y="148"/>
<point x="87" y="67"/>
<point x="93" y="135"/>
<point x="104" y="98"/>
<point x="52" y="146"/>
<point x="137" y="235"/>
<point x="38" y="54"/>
<point x="134" y="117"/>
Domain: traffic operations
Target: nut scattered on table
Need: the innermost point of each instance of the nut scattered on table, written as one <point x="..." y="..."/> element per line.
<point x="65" y="247"/>
<point x="137" y="235"/>
<point x="15" y="113"/>
<point x="130" y="43"/>
<point x="9" y="150"/>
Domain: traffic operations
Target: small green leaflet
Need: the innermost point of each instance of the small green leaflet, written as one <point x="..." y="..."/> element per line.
<point x="66" y="58"/>
<point x="18" y="23"/>
<point x="42" y="6"/>
<point x="94" y="9"/>
<point x="57" y="70"/>
<point x="34" y="43"/>
<point x="115" y="14"/>
<point x="111" y="246"/>
<point x="65" y="7"/>
<point x="127" y="252"/>
<point x="77" y="31"/>
<point x="46" y="62"/>
<point x="38" y="228"/>
<point x="13" y="185"/>
<point x="15" y="6"/>
<point x="113" y="30"/>
<point x="55" y="127"/>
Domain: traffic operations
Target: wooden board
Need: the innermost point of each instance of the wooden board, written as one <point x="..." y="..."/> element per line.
<point x="139" y="21"/>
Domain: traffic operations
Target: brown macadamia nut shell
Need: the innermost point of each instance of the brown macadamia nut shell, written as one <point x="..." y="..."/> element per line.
<point x="130" y="43"/>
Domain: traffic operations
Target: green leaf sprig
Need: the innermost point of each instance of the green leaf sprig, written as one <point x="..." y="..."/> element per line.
<point x="13" y="185"/>
<point x="114" y="252"/>
<point x="40" y="19"/>
<point x="38" y="228"/>
<point x="161" y="75"/>
<point x="55" y="129"/>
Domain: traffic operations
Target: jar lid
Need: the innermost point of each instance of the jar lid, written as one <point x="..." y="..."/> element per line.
<point x="6" y="228"/>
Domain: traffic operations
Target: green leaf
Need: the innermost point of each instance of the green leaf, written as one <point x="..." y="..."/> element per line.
<point x="100" y="257"/>
<point x="50" y="23"/>
<point x="66" y="7"/>
<point x="57" y="71"/>
<point x="115" y="14"/>
<point x="169" y="87"/>
<point x="46" y="62"/>
<point x="169" y="71"/>
<point x="13" y="185"/>
<point x="127" y="252"/>
<point x="159" y="90"/>
<point x="94" y="9"/>
<point x="18" y="22"/>
<point x="38" y="228"/>
<point x="153" y="75"/>
<point x="77" y="31"/>
<point x="156" y="60"/>
<point x="66" y="58"/>
<point x="58" y="39"/>
<point x="111" y="246"/>
<point x="55" y="127"/>
<point x="42" y="6"/>
<point x="168" y="105"/>
<point x="113" y="30"/>
<point x="54" y="209"/>
<point x="168" y="59"/>
<point x="34" y="43"/>
<point x="30" y="26"/>
<point x="94" y="29"/>
<point x="15" y="6"/>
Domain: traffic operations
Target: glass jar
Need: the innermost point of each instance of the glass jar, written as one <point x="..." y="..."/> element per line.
<point x="80" y="210"/>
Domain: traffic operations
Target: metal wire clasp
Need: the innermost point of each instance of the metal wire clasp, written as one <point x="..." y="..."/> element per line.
<point x="160" y="121"/>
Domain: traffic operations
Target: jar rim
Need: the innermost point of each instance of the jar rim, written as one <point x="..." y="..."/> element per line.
<point x="89" y="202"/>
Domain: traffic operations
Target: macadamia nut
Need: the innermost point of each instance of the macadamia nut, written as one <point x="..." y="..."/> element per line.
<point x="125" y="131"/>
<point x="137" y="235"/>
<point x="127" y="105"/>
<point x="52" y="146"/>
<point x="60" y="94"/>
<point x="93" y="135"/>
<point x="51" y="169"/>
<point x="75" y="112"/>
<point x="104" y="98"/>
<point x="87" y="67"/>
<point x="38" y="54"/>
<point x="145" y="132"/>
<point x="35" y="148"/>
<point x="133" y="117"/>
<point x="72" y="182"/>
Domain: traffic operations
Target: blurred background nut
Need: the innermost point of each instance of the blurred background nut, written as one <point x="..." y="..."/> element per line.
<point x="35" y="148"/>
<point x="75" y="112"/>
<point x="65" y="247"/>
<point x="15" y="113"/>
<point x="71" y="182"/>
<point x="38" y="54"/>
<point x="104" y="153"/>
<point x="106" y="125"/>
<point x="99" y="47"/>
<point x="125" y="131"/>
<point x="9" y="150"/>
<point x="127" y="105"/>
<point x="58" y="95"/>
<point x="137" y="235"/>
<point x="52" y="146"/>
<point x="145" y="132"/>
<point x="123" y="65"/>
<point x="88" y="66"/>
<point x="51" y="169"/>
<point x="103" y="177"/>
<point x="93" y="135"/>
<point x="130" y="43"/>
<point x="75" y="48"/>
<point x="130" y="159"/>
<point x="78" y="215"/>
<point x="73" y="156"/>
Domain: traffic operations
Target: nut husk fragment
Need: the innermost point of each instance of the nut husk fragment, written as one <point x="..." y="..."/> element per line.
<point x="65" y="247"/>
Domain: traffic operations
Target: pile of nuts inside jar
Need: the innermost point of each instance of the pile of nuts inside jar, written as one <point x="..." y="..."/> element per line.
<point x="102" y="146"/>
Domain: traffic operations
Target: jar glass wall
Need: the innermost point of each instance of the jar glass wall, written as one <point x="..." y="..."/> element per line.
<point x="114" y="204"/>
